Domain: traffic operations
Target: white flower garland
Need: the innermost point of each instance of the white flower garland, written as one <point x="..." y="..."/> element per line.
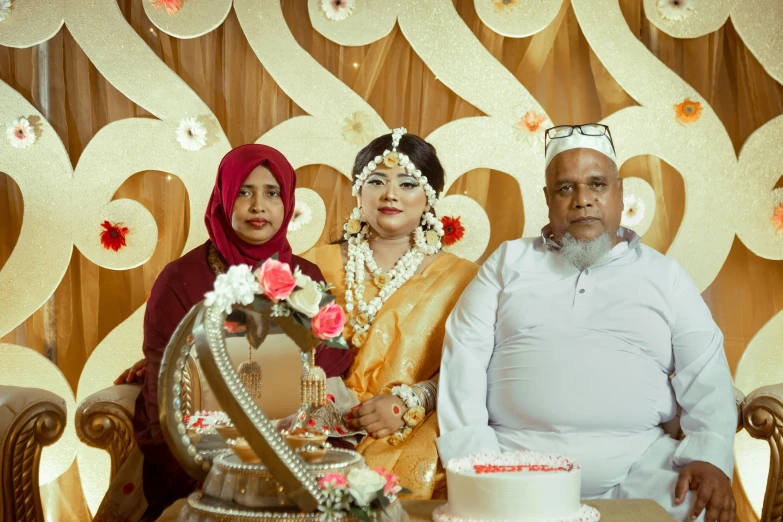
<point x="407" y="395"/>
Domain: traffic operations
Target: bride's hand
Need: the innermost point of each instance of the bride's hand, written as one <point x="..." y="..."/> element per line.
<point x="380" y="416"/>
<point x="133" y="374"/>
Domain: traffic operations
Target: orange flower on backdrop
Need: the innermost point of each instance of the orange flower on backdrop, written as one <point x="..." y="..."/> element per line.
<point x="688" y="111"/>
<point x="777" y="218"/>
<point x="113" y="236"/>
<point x="453" y="230"/>
<point x="531" y="122"/>
<point x="172" y="6"/>
<point x="505" y="6"/>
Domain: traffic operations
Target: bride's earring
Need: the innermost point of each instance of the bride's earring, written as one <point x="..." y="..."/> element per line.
<point x="356" y="225"/>
<point x="427" y="235"/>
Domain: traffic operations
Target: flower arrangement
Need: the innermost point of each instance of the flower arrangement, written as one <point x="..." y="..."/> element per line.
<point x="362" y="493"/>
<point x="272" y="286"/>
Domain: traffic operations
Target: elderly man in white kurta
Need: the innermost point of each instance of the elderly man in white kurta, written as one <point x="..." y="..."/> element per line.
<point x="583" y="341"/>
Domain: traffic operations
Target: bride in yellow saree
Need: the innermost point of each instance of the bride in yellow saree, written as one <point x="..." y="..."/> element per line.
<point x="398" y="287"/>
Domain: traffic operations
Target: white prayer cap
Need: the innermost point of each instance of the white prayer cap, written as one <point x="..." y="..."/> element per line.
<point x="599" y="142"/>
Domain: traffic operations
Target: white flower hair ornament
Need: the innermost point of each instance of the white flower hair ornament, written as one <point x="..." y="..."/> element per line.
<point x="427" y="237"/>
<point x="391" y="159"/>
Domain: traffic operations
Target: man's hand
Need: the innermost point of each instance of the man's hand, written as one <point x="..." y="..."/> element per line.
<point x="133" y="374"/>
<point x="713" y="492"/>
<point x="379" y="416"/>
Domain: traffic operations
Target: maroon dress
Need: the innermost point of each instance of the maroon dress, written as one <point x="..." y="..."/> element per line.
<point x="180" y="286"/>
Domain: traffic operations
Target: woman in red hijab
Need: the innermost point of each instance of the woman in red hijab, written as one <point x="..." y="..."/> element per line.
<point x="247" y="219"/>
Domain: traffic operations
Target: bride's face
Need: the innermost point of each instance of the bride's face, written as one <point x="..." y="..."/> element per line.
<point x="393" y="202"/>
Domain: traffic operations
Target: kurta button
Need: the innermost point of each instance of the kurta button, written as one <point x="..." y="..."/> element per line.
<point x="582" y="291"/>
<point x="587" y="272"/>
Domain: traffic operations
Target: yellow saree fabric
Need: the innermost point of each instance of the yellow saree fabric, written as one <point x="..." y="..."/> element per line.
<point x="404" y="346"/>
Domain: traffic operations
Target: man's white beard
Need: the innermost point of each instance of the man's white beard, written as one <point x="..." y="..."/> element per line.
<point x="581" y="253"/>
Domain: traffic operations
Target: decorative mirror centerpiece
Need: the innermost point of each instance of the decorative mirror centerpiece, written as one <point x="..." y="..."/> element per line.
<point x="259" y="472"/>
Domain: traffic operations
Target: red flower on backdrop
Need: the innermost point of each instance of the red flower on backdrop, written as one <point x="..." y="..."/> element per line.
<point x="113" y="236"/>
<point x="453" y="230"/>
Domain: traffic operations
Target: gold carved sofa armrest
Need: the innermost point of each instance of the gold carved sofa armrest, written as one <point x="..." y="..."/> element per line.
<point x="104" y="420"/>
<point x="762" y="418"/>
<point x="29" y="420"/>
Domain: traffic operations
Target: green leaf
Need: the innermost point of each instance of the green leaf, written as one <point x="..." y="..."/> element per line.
<point x="326" y="299"/>
<point x="337" y="342"/>
<point x="404" y="491"/>
<point x="301" y="320"/>
<point x="360" y="513"/>
<point x="257" y="328"/>
<point x="261" y="303"/>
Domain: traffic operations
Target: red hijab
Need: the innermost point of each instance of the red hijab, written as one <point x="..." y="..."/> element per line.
<point x="232" y="173"/>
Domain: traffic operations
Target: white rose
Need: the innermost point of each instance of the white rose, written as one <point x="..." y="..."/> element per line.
<point x="301" y="279"/>
<point x="307" y="300"/>
<point x="364" y="485"/>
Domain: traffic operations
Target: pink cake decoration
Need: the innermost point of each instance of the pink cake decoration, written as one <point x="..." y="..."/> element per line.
<point x="512" y="462"/>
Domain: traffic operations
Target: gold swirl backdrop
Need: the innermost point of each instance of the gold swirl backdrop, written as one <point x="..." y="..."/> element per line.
<point x="695" y="107"/>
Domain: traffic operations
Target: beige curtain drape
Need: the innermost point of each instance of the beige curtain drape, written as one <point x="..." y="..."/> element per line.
<point x="556" y="66"/>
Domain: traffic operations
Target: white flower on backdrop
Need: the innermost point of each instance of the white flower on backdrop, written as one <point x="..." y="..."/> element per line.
<point x="5" y="9"/>
<point x="20" y="133"/>
<point x="675" y="10"/>
<point x="338" y="9"/>
<point x="191" y="134"/>
<point x="303" y="214"/>
<point x="633" y="211"/>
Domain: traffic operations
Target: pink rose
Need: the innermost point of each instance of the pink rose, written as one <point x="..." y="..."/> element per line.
<point x="328" y="322"/>
<point x="276" y="279"/>
<point x="392" y="487"/>
<point x="335" y="480"/>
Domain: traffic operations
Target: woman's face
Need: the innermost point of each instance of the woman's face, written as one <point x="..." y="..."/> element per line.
<point x="393" y="202"/>
<point x="258" y="210"/>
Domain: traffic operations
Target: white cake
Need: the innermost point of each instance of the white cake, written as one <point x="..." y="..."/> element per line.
<point x="520" y="486"/>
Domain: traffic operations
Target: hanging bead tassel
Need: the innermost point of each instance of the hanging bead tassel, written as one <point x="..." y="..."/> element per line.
<point x="313" y="389"/>
<point x="250" y="374"/>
